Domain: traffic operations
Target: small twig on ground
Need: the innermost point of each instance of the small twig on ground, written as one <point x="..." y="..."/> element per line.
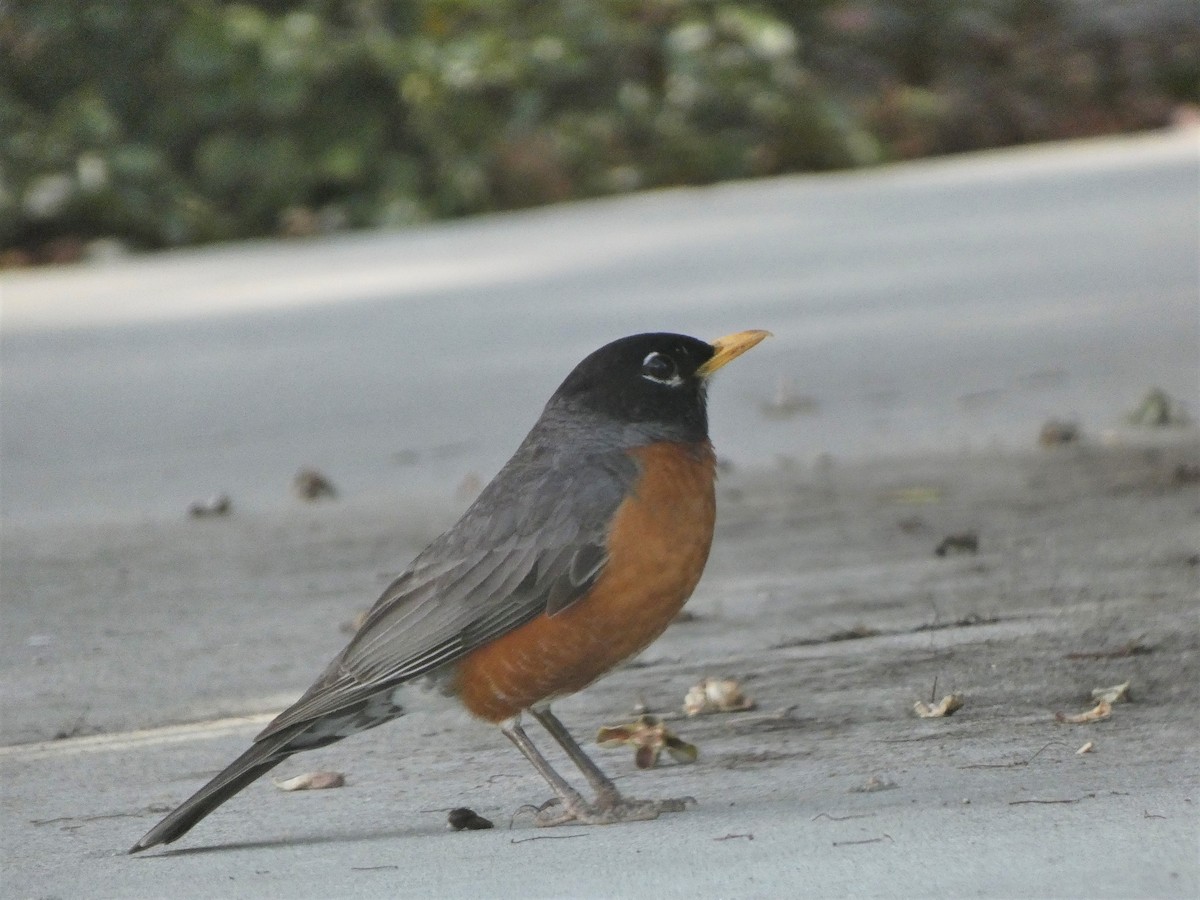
<point x="85" y="818"/>
<point x="1146" y="814"/>
<point x="492" y="778"/>
<point x="825" y="815"/>
<point x="371" y="868"/>
<point x="939" y="736"/>
<point x="1076" y="800"/>
<point x="546" y="837"/>
<point x="776" y="721"/>
<point x="730" y="837"/>
<point x="878" y="840"/>
<point x="1012" y="765"/>
<point x="1134" y="647"/>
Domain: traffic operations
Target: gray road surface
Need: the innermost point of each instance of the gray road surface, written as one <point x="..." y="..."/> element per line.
<point x="947" y="304"/>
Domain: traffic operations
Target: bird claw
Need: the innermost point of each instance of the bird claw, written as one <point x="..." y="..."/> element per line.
<point x="538" y="813"/>
<point x="555" y="812"/>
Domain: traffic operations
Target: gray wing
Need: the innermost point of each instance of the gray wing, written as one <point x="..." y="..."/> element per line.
<point x="515" y="554"/>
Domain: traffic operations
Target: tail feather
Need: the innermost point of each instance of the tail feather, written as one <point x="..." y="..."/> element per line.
<point x="250" y="766"/>
<point x="268" y="751"/>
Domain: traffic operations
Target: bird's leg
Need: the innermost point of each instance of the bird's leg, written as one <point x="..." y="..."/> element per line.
<point x="573" y="805"/>
<point x="610" y="806"/>
<point x="606" y="791"/>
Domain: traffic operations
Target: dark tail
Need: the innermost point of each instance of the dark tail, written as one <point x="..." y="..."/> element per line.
<point x="290" y="732"/>
<point x="251" y="765"/>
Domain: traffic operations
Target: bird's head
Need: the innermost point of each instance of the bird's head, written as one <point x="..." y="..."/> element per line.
<point x="654" y="381"/>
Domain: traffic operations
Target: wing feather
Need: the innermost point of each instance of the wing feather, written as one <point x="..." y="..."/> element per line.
<point x="513" y="556"/>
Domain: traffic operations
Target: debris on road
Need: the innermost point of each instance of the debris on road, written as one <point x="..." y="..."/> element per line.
<point x="873" y="784"/>
<point x="1158" y="410"/>
<point x="463" y="818"/>
<point x="216" y="505"/>
<point x="650" y="737"/>
<point x="1129" y="648"/>
<point x="1099" y="713"/>
<point x="312" y="781"/>
<point x="713" y="695"/>
<point x="967" y="542"/>
<point x="1115" y="694"/>
<point x="950" y="704"/>
<point x="1056" y="432"/>
<point x="309" y="484"/>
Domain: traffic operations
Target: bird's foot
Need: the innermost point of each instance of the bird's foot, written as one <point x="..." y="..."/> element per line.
<point x="608" y="811"/>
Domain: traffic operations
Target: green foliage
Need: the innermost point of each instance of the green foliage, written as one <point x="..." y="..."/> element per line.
<point x="181" y="122"/>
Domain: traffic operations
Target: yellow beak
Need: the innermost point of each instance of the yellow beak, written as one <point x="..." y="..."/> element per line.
<point x="730" y="348"/>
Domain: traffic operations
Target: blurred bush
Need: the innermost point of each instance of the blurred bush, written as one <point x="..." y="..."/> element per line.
<point x="168" y="123"/>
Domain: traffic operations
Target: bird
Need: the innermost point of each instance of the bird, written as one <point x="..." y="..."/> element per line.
<point x="573" y="559"/>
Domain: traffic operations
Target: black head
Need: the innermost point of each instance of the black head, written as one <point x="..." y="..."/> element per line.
<point x="653" y="380"/>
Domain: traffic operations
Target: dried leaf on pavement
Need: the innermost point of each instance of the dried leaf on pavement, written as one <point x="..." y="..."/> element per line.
<point x="1098" y="713"/>
<point x="949" y="705"/>
<point x="650" y="738"/>
<point x="1114" y="694"/>
<point x="309" y="484"/>
<point x="312" y="781"/>
<point x="716" y="695"/>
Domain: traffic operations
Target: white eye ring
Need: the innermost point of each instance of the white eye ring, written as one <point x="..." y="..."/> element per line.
<point x="661" y="369"/>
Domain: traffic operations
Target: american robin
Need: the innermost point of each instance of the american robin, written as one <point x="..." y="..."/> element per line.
<point x="574" y="558"/>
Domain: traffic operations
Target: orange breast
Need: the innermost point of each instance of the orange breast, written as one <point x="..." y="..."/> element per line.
<point x="657" y="549"/>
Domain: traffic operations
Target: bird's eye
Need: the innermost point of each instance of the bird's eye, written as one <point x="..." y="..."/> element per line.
<point x="661" y="368"/>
